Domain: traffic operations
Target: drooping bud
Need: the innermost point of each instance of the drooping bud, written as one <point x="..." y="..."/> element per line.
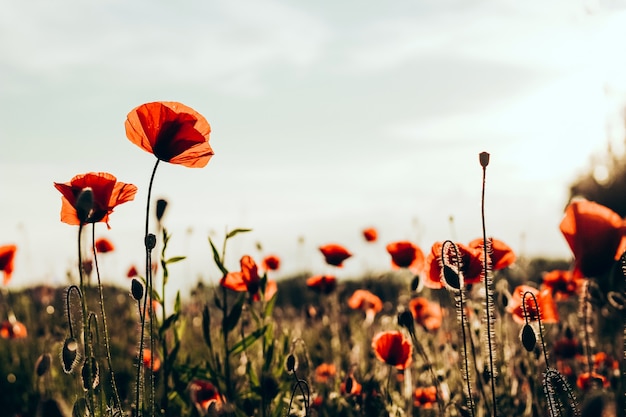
<point x="136" y="289"/>
<point x="161" y="205"/>
<point x="69" y="355"/>
<point x="95" y="373"/>
<point x="451" y="278"/>
<point x="84" y="204"/>
<point x="150" y="241"/>
<point x="405" y="319"/>
<point x="528" y="337"/>
<point x="43" y="364"/>
<point x="483" y="157"/>
<point x="291" y="363"/>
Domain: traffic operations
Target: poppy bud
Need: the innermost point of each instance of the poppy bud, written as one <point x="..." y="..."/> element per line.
<point x="291" y="363"/>
<point x="415" y="283"/>
<point x="405" y="319"/>
<point x="150" y="241"/>
<point x="95" y="373"/>
<point x="43" y="364"/>
<point x="528" y="337"/>
<point x="84" y="204"/>
<point x="69" y="355"/>
<point x="451" y="278"/>
<point x="161" y="205"/>
<point x="484" y="159"/>
<point x="136" y="289"/>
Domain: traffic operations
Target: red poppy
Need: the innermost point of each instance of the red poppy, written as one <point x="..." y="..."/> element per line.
<point x="366" y="301"/>
<point x="271" y="263"/>
<point x="172" y="132"/>
<point x="149" y="360"/>
<point x="595" y="234"/>
<point x="324" y="372"/>
<point x="547" y="307"/>
<point x="350" y="386"/>
<point x="203" y="394"/>
<point x="426" y="313"/>
<point x="587" y="380"/>
<point x="246" y="280"/>
<point x="132" y="272"/>
<point x="104" y="245"/>
<point x="392" y="348"/>
<point x="405" y="254"/>
<point x="7" y="256"/>
<point x="13" y="329"/>
<point x="370" y="234"/>
<point x="562" y="283"/>
<point x="425" y="397"/>
<point x="471" y="264"/>
<point x="324" y="284"/>
<point x="335" y="254"/>
<point x="107" y="194"/>
<point x="567" y="347"/>
<point x="500" y="254"/>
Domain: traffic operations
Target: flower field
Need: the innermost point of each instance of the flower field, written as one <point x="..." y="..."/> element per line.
<point x="455" y="329"/>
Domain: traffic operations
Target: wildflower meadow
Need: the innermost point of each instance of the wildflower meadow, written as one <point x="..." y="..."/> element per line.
<point x="454" y="329"/>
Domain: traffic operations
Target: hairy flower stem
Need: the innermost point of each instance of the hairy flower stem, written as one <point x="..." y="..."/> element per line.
<point x="585" y="308"/>
<point x="105" y="328"/>
<point x="484" y="161"/>
<point x="86" y="335"/>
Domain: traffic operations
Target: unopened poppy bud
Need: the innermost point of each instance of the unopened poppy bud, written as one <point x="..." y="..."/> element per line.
<point x="84" y="204"/>
<point x="405" y="319"/>
<point x="43" y="364"/>
<point x="415" y="283"/>
<point x="528" y="337"/>
<point x="291" y="363"/>
<point x="161" y="205"/>
<point x="95" y="373"/>
<point x="69" y="355"/>
<point x="349" y="384"/>
<point x="150" y="241"/>
<point x="483" y="157"/>
<point x="136" y="289"/>
<point x="451" y="278"/>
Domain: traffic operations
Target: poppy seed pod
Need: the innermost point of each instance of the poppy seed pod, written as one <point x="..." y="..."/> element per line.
<point x="150" y="241"/>
<point x="84" y="204"/>
<point x="483" y="157"/>
<point x="136" y="289"/>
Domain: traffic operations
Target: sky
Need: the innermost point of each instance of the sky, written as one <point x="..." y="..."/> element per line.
<point x="327" y="117"/>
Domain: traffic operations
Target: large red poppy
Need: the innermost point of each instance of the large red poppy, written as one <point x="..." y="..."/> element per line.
<point x="7" y="256"/>
<point x="595" y="234"/>
<point x="107" y="194"/>
<point x="500" y="254"/>
<point x="545" y="302"/>
<point x="392" y="348"/>
<point x="172" y="132"/>
<point x="335" y="254"/>
<point x="405" y="254"/>
<point x="471" y="264"/>
<point x="247" y="279"/>
<point x="426" y="313"/>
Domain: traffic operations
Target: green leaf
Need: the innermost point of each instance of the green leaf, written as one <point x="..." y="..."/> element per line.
<point x="235" y="313"/>
<point x="247" y="341"/>
<point x="168" y="323"/>
<point x="206" y="327"/>
<point x="217" y="258"/>
<point x="175" y="259"/>
<point x="237" y="231"/>
<point x="269" y="307"/>
<point x="177" y="303"/>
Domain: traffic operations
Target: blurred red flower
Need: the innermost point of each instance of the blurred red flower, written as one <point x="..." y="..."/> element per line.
<point x="562" y="284"/>
<point x="547" y="307"/>
<point x="324" y="284"/>
<point x="324" y="372"/>
<point x="271" y="263"/>
<point x="7" y="258"/>
<point x="366" y="301"/>
<point x="425" y="397"/>
<point x="471" y="264"/>
<point x="132" y="272"/>
<point x="335" y="254"/>
<point x="171" y="131"/>
<point x="587" y="380"/>
<point x="203" y="394"/>
<point x="104" y="245"/>
<point x="405" y="254"/>
<point x="107" y="194"/>
<point x="370" y="234"/>
<point x="13" y="329"/>
<point x="595" y="234"/>
<point x="500" y="254"/>
<point x="392" y="348"/>
<point x="426" y="313"/>
<point x="350" y="386"/>
<point x="150" y="361"/>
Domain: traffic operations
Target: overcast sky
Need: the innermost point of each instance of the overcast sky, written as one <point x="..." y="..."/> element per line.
<point x="327" y="117"/>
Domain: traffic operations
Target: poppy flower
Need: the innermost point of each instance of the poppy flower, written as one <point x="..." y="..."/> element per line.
<point x="425" y="397"/>
<point x="248" y="279"/>
<point x="324" y="372"/>
<point x="587" y="380"/>
<point x="171" y="131"/>
<point x="13" y="329"/>
<point x="324" y="284"/>
<point x="392" y="348"/>
<point x="370" y="234"/>
<point x="149" y="360"/>
<point x="271" y="263"/>
<point x="500" y="254"/>
<point x="104" y="245"/>
<point x="547" y="307"/>
<point x="426" y="313"/>
<point x="203" y="394"/>
<point x="595" y="234"/>
<point x="7" y="257"/>
<point x="107" y="194"/>
<point x="335" y="254"/>
<point x="567" y="347"/>
<point x="562" y="283"/>
<point x="405" y="254"/>
<point x="366" y="301"/>
<point x="350" y="386"/>
<point x="471" y="264"/>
